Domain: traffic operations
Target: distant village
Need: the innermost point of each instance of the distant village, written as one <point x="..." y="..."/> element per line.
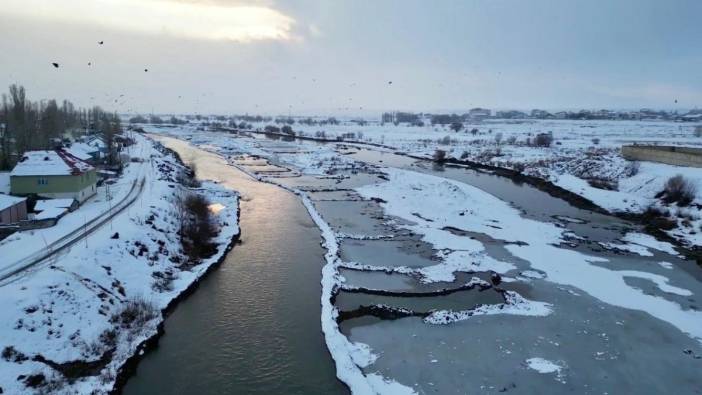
<point x="479" y="114"/>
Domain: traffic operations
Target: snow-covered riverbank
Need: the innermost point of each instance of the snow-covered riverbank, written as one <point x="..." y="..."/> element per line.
<point x="69" y="326"/>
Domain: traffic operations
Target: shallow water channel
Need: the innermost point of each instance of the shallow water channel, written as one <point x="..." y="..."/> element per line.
<point x="253" y="324"/>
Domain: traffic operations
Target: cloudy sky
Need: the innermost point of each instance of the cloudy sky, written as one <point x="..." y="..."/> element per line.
<point x="335" y="56"/>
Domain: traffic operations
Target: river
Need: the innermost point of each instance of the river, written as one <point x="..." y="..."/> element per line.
<point x="252" y="325"/>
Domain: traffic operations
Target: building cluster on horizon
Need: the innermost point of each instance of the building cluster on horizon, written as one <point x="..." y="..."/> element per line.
<point x="480" y="114"/>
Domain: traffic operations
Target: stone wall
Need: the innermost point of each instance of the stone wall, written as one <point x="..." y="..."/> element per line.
<point x="679" y="156"/>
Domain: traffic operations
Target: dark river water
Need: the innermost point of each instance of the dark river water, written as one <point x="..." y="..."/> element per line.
<point x="253" y="325"/>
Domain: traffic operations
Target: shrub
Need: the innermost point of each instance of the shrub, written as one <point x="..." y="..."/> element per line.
<point x="465" y="155"/>
<point x="474" y="131"/>
<point x="596" y="141"/>
<point x="498" y="138"/>
<point x="270" y="129"/>
<point x="511" y="140"/>
<point x="135" y="313"/>
<point x="9" y="353"/>
<point x="543" y="139"/>
<point x="287" y="130"/>
<point x="446" y="140"/>
<point x="439" y="155"/>
<point x="456" y="126"/>
<point x="197" y="228"/>
<point x="656" y="218"/>
<point x="678" y="190"/>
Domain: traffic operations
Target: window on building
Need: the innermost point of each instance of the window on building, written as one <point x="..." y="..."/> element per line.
<point x="42" y="181"/>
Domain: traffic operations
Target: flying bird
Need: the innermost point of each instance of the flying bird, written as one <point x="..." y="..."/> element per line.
<point x="146" y="70"/>
<point x="389" y="82"/>
<point x="101" y="42"/>
<point x="56" y="65"/>
<point x="90" y="63"/>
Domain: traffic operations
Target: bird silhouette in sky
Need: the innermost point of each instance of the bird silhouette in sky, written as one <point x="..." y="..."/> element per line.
<point x="90" y="63"/>
<point x="146" y="70"/>
<point x="389" y="82"/>
<point x="56" y="65"/>
<point x="101" y="42"/>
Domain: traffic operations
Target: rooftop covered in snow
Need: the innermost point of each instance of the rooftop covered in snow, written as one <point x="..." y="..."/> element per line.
<point x="50" y="163"/>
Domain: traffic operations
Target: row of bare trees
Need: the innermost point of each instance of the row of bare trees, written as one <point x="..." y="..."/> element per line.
<point x="27" y="125"/>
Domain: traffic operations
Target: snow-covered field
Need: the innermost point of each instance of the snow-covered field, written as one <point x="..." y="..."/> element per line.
<point x="581" y="151"/>
<point x="69" y="325"/>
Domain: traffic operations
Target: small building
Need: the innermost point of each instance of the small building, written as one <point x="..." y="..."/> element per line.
<point x="53" y="174"/>
<point x="12" y="209"/>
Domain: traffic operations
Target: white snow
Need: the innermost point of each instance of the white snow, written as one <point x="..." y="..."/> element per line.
<point x="650" y="242"/>
<point x="633" y="248"/>
<point x="52" y="208"/>
<point x="515" y="305"/>
<point x="660" y="281"/>
<point x="42" y="205"/>
<point x="543" y="366"/>
<point x="50" y="212"/>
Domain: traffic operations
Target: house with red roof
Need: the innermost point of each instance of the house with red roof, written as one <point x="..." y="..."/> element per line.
<point x="53" y="174"/>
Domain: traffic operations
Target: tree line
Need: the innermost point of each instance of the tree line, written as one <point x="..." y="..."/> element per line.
<point x="27" y="125"/>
